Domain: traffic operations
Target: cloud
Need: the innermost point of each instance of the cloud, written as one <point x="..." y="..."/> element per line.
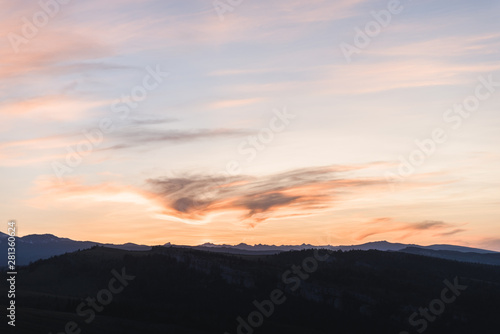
<point x="231" y="72"/>
<point x="391" y="74"/>
<point x="428" y="224"/>
<point x="389" y="225"/>
<point x="31" y="151"/>
<point x="233" y="103"/>
<point x="298" y="192"/>
<point x="131" y="138"/>
<point x="26" y="152"/>
<point x="442" y="47"/>
<point x="50" y="107"/>
<point x="151" y="121"/>
<point x="452" y="232"/>
<point x="197" y="199"/>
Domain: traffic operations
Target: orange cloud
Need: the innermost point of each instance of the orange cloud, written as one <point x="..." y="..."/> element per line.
<point x="389" y="225"/>
<point x="51" y="107"/>
<point x="196" y="199"/>
<point x="297" y="192"/>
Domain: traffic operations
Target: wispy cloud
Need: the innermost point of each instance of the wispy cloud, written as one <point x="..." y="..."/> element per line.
<point x="453" y="232"/>
<point x="196" y="199"/>
<point x="130" y="138"/>
<point x="137" y="133"/>
<point x="51" y="107"/>
<point x="304" y="191"/>
<point x="234" y="103"/>
<point x="388" y="225"/>
<point x="152" y="120"/>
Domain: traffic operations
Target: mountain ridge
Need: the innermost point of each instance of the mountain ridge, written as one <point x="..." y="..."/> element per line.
<point x="34" y="247"/>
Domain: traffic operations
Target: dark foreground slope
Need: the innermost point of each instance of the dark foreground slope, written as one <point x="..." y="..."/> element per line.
<point x="179" y="290"/>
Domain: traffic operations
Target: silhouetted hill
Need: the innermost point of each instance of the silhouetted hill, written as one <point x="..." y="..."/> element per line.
<point x="484" y="258"/>
<point x="458" y="249"/>
<point x="42" y="246"/>
<point x="183" y="290"/>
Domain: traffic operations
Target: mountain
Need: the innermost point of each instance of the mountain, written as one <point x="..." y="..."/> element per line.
<point x="458" y="249"/>
<point x="450" y="252"/>
<point x="187" y="291"/>
<point x="378" y="245"/>
<point x="42" y="246"/>
<point x="473" y="257"/>
<point x="232" y="250"/>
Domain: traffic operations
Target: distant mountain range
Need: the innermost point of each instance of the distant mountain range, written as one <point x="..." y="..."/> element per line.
<point x="378" y="245"/>
<point x="42" y="246"/>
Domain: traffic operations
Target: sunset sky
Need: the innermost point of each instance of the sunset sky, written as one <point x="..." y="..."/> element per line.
<point x="278" y="122"/>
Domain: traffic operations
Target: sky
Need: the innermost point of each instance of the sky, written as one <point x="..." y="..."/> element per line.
<point x="277" y="122"/>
